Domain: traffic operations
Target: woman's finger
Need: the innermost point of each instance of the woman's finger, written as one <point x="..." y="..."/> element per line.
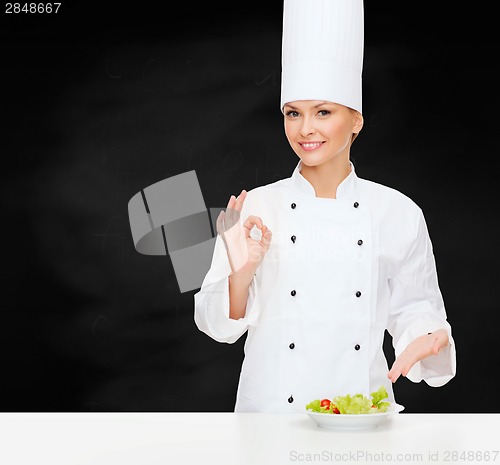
<point x="266" y="237"/>
<point x="233" y="210"/>
<point x="393" y="374"/>
<point x="250" y="222"/>
<point x="231" y="201"/>
<point x="220" y="223"/>
<point x="406" y="369"/>
<point x="402" y="365"/>
<point x="238" y="205"/>
<point x="232" y="213"/>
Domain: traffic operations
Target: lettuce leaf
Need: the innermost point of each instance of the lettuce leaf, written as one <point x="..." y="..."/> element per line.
<point x="315" y="406"/>
<point x="355" y="404"/>
<point x="378" y="397"/>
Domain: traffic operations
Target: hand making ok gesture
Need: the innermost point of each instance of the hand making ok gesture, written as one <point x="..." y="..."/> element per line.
<point x="245" y="253"/>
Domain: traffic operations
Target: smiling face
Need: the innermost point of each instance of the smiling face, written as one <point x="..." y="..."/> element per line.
<point x="321" y="132"/>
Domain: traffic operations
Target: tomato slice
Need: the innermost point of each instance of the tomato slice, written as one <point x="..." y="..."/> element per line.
<point x="326" y="403"/>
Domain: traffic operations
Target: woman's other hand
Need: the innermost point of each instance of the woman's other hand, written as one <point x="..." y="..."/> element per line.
<point x="422" y="347"/>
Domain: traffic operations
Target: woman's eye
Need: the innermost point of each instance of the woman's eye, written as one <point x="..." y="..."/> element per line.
<point x="292" y="113"/>
<point x="323" y="113"/>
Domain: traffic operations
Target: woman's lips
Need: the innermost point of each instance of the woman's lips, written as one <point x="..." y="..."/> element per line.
<point x="309" y="146"/>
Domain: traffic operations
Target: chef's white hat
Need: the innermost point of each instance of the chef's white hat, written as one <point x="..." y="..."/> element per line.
<point x="322" y="51"/>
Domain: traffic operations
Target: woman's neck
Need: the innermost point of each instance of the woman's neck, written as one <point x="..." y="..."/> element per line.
<point x="326" y="178"/>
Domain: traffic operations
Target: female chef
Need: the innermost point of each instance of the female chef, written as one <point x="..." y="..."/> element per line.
<point x="316" y="267"/>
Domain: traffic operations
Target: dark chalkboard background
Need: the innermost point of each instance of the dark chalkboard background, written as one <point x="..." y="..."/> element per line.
<point x="100" y="102"/>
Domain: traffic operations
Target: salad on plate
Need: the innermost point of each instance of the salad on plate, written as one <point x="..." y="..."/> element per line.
<point x="357" y="404"/>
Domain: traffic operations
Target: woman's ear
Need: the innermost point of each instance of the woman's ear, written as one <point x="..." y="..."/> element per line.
<point x="358" y="122"/>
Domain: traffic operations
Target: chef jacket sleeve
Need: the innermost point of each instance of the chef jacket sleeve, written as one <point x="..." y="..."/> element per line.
<point x="211" y="313"/>
<point x="417" y="308"/>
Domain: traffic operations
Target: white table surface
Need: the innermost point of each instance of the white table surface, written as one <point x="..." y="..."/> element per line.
<point x="229" y="438"/>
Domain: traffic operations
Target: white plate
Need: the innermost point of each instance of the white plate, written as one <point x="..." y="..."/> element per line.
<point x="353" y="422"/>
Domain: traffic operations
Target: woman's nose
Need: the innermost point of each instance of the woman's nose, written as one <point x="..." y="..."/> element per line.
<point x="307" y="127"/>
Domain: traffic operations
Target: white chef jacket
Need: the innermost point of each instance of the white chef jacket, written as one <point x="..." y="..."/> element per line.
<point x="338" y="273"/>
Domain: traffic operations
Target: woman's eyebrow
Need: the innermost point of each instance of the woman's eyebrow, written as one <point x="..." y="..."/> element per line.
<point x="315" y="106"/>
<point x="324" y="103"/>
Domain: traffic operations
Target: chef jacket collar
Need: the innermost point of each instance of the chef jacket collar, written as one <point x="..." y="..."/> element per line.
<point x="345" y="189"/>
